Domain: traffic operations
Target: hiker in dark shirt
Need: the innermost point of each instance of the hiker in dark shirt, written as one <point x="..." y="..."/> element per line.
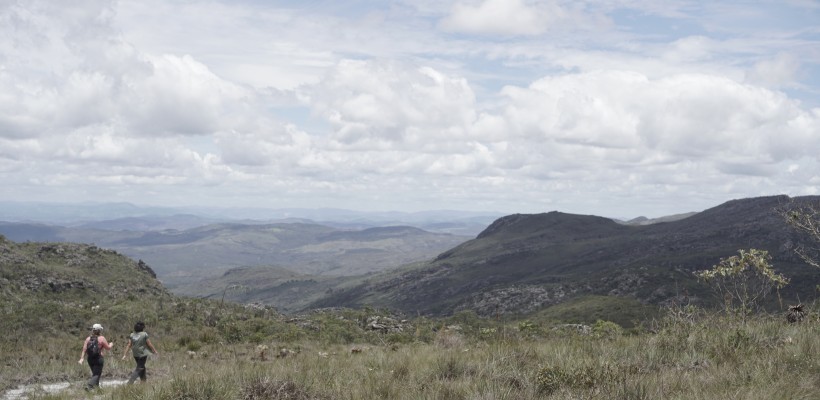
<point x="140" y="345"/>
<point x="94" y="347"/>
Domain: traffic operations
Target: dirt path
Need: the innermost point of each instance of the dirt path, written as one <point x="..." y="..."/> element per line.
<point x="36" y="390"/>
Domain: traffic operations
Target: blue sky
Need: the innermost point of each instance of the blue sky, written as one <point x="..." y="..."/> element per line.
<point x="617" y="108"/>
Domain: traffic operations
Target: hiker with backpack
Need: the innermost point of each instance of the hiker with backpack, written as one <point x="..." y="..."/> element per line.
<point x="139" y="344"/>
<point x="94" y="347"/>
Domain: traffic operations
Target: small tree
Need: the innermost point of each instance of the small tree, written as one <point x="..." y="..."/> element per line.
<point x="806" y="219"/>
<point x="743" y="280"/>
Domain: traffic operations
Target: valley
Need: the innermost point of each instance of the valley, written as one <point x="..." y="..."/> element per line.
<point x="519" y="264"/>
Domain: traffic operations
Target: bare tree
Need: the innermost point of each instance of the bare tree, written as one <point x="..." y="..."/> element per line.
<point x="806" y="219"/>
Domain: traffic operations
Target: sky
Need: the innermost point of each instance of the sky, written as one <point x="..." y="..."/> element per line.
<point x="617" y="108"/>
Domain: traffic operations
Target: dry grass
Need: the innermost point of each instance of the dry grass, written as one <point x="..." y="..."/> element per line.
<point x="708" y="357"/>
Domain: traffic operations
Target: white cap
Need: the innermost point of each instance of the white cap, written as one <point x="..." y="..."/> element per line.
<point x="97" y="327"/>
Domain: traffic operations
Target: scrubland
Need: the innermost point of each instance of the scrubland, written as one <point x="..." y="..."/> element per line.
<point x="214" y="351"/>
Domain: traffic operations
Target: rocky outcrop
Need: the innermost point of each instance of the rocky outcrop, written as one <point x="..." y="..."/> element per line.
<point x="73" y="267"/>
<point x="51" y="284"/>
<point x="385" y="324"/>
<point x="520" y="299"/>
<point x="142" y="266"/>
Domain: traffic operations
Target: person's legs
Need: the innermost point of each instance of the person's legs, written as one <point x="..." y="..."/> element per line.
<point x="139" y="371"/>
<point x="96" y="365"/>
<point x="143" y="371"/>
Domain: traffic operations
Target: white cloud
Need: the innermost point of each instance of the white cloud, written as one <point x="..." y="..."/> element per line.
<point x="180" y="96"/>
<point x="506" y="17"/>
<point x="87" y="79"/>
<point x="379" y="104"/>
<point x="266" y="146"/>
<point x="691" y="49"/>
<point x="779" y="71"/>
<point x="617" y="118"/>
<point x="513" y="105"/>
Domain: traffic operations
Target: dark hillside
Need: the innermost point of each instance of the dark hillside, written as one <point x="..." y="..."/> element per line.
<point x="554" y="226"/>
<point x="522" y="263"/>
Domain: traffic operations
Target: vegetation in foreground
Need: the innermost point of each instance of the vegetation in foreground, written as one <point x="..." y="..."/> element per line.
<point x="686" y="354"/>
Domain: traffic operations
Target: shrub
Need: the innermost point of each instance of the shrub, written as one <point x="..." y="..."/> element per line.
<point x="549" y="379"/>
<point x="606" y="329"/>
<point x="527" y="327"/>
<point x="231" y="331"/>
<point x="264" y="388"/>
<point x="449" y="339"/>
<point x="196" y="388"/>
<point x="744" y="280"/>
<point x="449" y="367"/>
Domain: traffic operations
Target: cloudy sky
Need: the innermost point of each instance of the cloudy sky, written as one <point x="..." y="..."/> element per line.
<point x="617" y="108"/>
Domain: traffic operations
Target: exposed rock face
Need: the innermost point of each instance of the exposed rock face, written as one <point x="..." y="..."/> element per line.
<point x="577" y="328"/>
<point x="519" y="299"/>
<point x="142" y="266"/>
<point x="47" y="283"/>
<point x="626" y="284"/>
<point x="385" y="324"/>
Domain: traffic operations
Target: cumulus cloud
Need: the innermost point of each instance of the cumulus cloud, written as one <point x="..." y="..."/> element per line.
<point x="506" y="17"/>
<point x="514" y="105"/>
<point x="180" y="96"/>
<point x="265" y="146"/>
<point x="622" y="120"/>
<point x="73" y="92"/>
<point x="96" y="78"/>
<point x="377" y="104"/>
<point x="525" y="18"/>
<point x="687" y="115"/>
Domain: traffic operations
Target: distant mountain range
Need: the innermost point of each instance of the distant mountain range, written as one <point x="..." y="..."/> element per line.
<point x="518" y="264"/>
<point x="126" y="216"/>
<point x="182" y="256"/>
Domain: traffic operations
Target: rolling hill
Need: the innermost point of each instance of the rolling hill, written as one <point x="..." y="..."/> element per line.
<point x="182" y="256"/>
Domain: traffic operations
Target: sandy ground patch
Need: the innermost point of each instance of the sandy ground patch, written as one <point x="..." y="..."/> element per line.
<point x="24" y="392"/>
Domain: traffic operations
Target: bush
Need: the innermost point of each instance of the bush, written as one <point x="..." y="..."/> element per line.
<point x="743" y="281"/>
<point x="264" y="388"/>
<point x="606" y="330"/>
<point x="549" y="379"/>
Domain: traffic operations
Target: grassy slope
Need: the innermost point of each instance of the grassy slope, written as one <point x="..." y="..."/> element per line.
<point x="626" y="312"/>
<point x="53" y="286"/>
<point x="703" y="357"/>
